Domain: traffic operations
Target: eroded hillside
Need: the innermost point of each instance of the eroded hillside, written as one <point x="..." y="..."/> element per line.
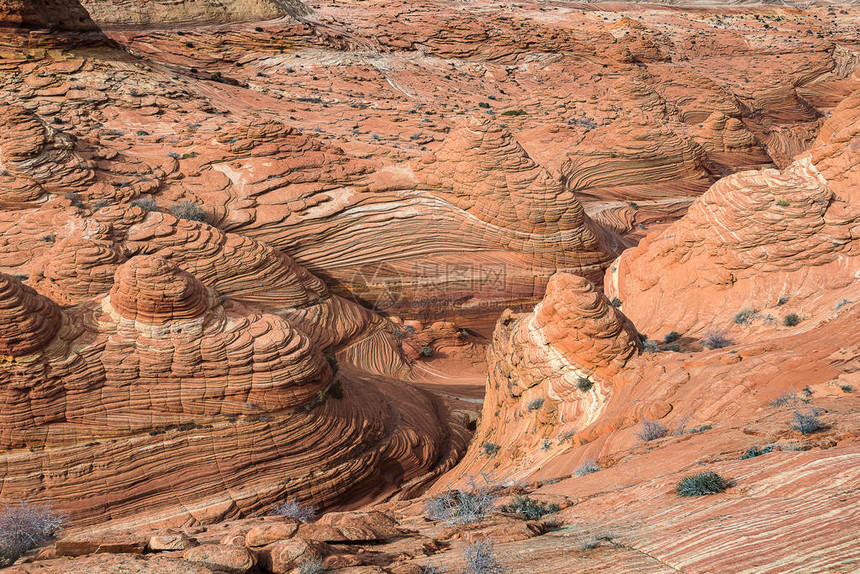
<point x="342" y="253"/>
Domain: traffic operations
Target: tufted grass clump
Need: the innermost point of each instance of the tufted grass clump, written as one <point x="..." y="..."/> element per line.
<point x="651" y="430"/>
<point x="755" y="451"/>
<point x="786" y="398"/>
<point x="791" y="320"/>
<point x="584" y="384"/>
<point x="529" y="509"/>
<point x="147" y="203"/>
<point x="25" y="526"/>
<point x="745" y="316"/>
<point x="490" y="449"/>
<point x="588" y="467"/>
<point x="701" y="484"/>
<point x="188" y="210"/>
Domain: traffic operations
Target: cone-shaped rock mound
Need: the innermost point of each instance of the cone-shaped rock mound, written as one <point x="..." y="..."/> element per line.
<point x="27" y="320"/>
<point x="153" y="290"/>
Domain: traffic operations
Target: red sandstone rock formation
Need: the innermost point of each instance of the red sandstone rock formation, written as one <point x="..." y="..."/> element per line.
<point x="164" y="372"/>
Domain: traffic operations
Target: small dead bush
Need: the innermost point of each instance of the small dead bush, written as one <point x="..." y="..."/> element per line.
<point x="808" y="422"/>
<point x="481" y="558"/>
<point x="716" y="340"/>
<point x="23" y="527"/>
<point x="651" y="430"/>
<point x="472" y="504"/>
<point x="294" y="509"/>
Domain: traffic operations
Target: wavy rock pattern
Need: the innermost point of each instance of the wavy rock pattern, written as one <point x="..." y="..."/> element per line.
<point x="29" y="320"/>
<point x="127" y="13"/>
<point x="36" y="160"/>
<point x="748" y="230"/>
<point x="159" y="375"/>
<point x="538" y="363"/>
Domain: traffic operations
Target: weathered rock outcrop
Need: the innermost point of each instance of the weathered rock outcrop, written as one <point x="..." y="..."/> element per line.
<point x="776" y="242"/>
<point x="160" y="376"/>
<point x="157" y="13"/>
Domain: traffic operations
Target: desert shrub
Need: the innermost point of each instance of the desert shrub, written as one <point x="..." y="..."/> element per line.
<point x="566" y="436"/>
<point x="514" y="113"/>
<point x="147" y="203"/>
<point x="671" y="337"/>
<point x="846" y="388"/>
<point x="755" y="451"/>
<point x="791" y="320"/>
<point x="841" y="303"/>
<point x="745" y="316"/>
<point x="490" y="449"/>
<point x="336" y="390"/>
<point x="806" y="423"/>
<point x="782" y="301"/>
<point x="649" y="346"/>
<point x="320" y="398"/>
<point x="651" y="430"/>
<point x="75" y="199"/>
<point x="708" y="482"/>
<point x="674" y="347"/>
<point x="292" y="508"/>
<point x="703" y="428"/>
<point x="584" y="384"/>
<point x="786" y="398"/>
<point x="331" y="359"/>
<point x="188" y="210"/>
<point x="529" y="508"/>
<point x="716" y="340"/>
<point x="464" y="506"/>
<point x="100" y="204"/>
<point x="481" y="558"/>
<point x="311" y="566"/>
<point x="595" y="541"/>
<point x="427" y="351"/>
<point x="23" y="527"/>
<point x="587" y="467"/>
<point x="616" y="302"/>
<point x="535" y="404"/>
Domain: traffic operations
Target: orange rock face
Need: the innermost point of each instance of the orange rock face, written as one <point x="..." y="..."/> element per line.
<point x="252" y="250"/>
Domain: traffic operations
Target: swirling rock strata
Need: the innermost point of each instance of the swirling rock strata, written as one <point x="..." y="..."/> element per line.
<point x="551" y="369"/>
<point x="755" y="240"/>
<point x="126" y="13"/>
<point x="36" y="160"/>
<point x="29" y="320"/>
<point x="161" y="376"/>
